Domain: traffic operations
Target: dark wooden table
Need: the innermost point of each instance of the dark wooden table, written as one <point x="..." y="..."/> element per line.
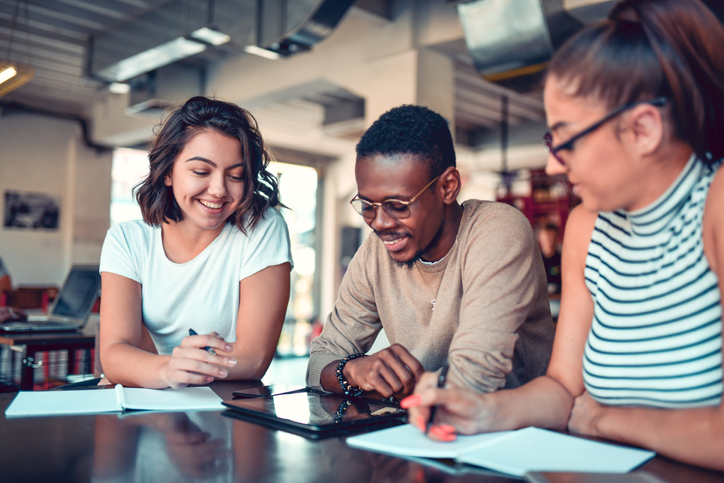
<point x="29" y="344"/>
<point x="208" y="446"/>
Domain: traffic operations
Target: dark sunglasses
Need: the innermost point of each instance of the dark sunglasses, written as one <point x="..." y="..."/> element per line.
<point x="568" y="145"/>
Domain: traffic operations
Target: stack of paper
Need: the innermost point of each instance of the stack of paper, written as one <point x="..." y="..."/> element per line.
<point x="512" y="452"/>
<point x="91" y="401"/>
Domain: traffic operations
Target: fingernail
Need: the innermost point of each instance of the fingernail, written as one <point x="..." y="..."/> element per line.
<point x="223" y="373"/>
<point x="227" y="348"/>
<point x="411" y="401"/>
<point x="447" y="428"/>
<point x="232" y="362"/>
<point x="441" y="435"/>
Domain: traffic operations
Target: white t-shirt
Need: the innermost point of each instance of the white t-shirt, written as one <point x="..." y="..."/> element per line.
<point x="203" y="293"/>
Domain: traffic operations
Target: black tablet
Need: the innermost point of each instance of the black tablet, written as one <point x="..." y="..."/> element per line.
<point x="269" y="390"/>
<point x="315" y="415"/>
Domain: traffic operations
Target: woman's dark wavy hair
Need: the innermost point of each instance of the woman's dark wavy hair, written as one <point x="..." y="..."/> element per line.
<point x="652" y="48"/>
<point x="199" y="114"/>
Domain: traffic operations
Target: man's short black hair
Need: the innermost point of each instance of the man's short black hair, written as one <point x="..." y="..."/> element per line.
<point x="410" y="129"/>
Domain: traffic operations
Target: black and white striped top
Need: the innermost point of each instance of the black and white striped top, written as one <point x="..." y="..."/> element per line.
<point x="656" y="336"/>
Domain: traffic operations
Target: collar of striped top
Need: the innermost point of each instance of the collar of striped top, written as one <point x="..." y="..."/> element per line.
<point x="653" y="218"/>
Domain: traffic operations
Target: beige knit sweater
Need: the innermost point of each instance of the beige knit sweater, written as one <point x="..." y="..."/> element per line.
<point x="491" y="314"/>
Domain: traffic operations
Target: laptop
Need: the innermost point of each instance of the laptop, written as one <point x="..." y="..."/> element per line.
<point x="70" y="309"/>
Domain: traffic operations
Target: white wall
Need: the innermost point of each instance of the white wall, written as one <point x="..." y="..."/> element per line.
<point x="46" y="155"/>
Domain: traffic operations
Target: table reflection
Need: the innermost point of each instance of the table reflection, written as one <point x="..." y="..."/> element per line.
<point x="161" y="446"/>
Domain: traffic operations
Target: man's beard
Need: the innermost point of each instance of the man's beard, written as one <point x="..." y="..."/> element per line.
<point x="411" y="262"/>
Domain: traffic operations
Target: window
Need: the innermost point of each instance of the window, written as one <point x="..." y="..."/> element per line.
<point x="130" y="166"/>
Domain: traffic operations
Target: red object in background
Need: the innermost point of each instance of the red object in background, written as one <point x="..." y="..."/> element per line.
<point x="28" y="297"/>
<point x="316" y="329"/>
<point x="551" y="200"/>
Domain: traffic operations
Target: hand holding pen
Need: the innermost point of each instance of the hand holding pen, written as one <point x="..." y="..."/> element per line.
<point x="441" y="412"/>
<point x="441" y="379"/>
<point x="208" y="349"/>
<point x="189" y="365"/>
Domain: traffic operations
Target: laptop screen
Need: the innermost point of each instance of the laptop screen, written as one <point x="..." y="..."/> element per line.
<point x="78" y="294"/>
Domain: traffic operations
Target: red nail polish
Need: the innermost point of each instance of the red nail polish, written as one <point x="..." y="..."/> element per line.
<point x="441" y="435"/>
<point x="411" y="401"/>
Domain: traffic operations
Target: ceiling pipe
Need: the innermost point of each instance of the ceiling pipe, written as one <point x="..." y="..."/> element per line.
<point x="9" y="107"/>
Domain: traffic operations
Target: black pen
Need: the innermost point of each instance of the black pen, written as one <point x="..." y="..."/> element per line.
<point x="209" y="349"/>
<point x="440" y="383"/>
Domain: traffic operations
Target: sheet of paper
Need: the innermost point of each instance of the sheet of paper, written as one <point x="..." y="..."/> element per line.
<point x="407" y="440"/>
<point x="186" y="399"/>
<point x="91" y="401"/>
<point x="53" y="403"/>
<point x="534" y="449"/>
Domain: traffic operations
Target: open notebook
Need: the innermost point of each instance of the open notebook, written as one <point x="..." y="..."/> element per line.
<point x="92" y="401"/>
<point x="512" y="452"/>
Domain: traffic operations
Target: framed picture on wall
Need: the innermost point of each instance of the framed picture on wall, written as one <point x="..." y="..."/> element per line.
<point x="31" y="211"/>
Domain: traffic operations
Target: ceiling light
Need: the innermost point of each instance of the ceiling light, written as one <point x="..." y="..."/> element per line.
<point x="14" y="75"/>
<point x="7" y="73"/>
<point x="210" y="36"/>
<point x="152" y="59"/>
<point x="119" y="88"/>
<point x="262" y="52"/>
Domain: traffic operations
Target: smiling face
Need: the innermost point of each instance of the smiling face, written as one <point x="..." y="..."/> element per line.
<point x="401" y="177"/>
<point x="206" y="180"/>
<point x="601" y="169"/>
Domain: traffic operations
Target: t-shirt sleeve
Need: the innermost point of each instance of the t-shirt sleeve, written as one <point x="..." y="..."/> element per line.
<point x="268" y="245"/>
<point x="118" y="255"/>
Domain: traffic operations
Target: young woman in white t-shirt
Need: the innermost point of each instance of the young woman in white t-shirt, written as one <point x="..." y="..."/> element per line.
<point x="211" y="255"/>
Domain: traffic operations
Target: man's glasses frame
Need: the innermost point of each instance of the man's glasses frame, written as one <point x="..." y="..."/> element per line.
<point x="397" y="209"/>
<point x="568" y="145"/>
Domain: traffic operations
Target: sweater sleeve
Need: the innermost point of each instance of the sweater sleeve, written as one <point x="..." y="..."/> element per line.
<point x="354" y="322"/>
<point x="504" y="286"/>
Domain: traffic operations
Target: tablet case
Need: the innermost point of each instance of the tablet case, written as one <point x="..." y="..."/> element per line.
<point x="317" y="415"/>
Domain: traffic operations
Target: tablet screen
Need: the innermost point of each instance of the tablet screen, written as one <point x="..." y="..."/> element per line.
<point x="315" y="412"/>
<point x="266" y="391"/>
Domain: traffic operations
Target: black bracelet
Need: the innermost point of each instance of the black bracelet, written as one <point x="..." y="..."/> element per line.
<point x="343" y="409"/>
<point x="347" y="389"/>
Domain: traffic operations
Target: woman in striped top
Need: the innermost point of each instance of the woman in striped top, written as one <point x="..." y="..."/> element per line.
<point x="635" y="105"/>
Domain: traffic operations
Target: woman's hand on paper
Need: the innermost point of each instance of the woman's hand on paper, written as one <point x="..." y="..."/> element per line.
<point x="458" y="410"/>
<point x="584" y="415"/>
<point x="193" y="363"/>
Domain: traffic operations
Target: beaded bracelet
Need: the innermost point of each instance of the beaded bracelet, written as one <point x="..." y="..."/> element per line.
<point x="347" y="389"/>
<point x="365" y="408"/>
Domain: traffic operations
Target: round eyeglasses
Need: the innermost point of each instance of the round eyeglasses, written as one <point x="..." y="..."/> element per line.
<point x="568" y="145"/>
<point x="397" y="209"/>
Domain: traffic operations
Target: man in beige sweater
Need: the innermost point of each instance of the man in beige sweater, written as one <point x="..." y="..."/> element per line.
<point x="462" y="283"/>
